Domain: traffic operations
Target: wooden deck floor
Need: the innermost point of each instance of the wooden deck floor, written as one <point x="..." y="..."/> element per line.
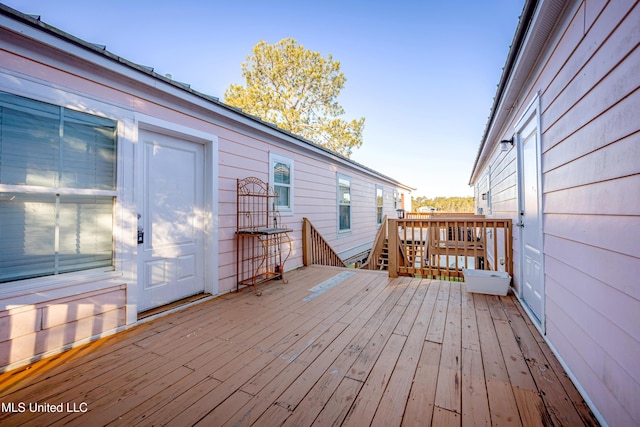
<point x="368" y="351"/>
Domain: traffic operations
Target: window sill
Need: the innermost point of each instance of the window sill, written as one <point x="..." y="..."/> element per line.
<point x="40" y="289"/>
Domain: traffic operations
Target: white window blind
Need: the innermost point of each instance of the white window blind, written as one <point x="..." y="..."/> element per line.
<point x="344" y="203"/>
<point x="281" y="176"/>
<point x="27" y="235"/>
<point x="57" y="189"/>
<point x="29" y="142"/>
<point x="282" y="183"/>
<point x="379" y="205"/>
<point x="88" y="152"/>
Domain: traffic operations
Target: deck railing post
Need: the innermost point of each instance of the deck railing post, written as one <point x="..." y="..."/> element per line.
<point x="307" y="254"/>
<point x="508" y="248"/>
<point x="393" y="247"/>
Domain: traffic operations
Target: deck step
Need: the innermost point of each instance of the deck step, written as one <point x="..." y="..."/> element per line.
<point x="383" y="259"/>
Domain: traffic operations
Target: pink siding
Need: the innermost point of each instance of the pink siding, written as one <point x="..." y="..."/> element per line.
<point x="28" y="330"/>
<point x="242" y="151"/>
<point x="504" y="194"/>
<point x="315" y="197"/>
<point x="591" y="149"/>
<point x="241" y="155"/>
<point x="588" y="80"/>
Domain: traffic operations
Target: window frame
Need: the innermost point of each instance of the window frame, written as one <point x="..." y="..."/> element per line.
<point x="379" y="200"/>
<point x="45" y="287"/>
<point x="488" y="194"/>
<point x="339" y="202"/>
<point x="273" y="158"/>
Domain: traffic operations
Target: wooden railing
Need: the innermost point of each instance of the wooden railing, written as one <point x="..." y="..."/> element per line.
<point x="429" y="215"/>
<point x="441" y="247"/>
<point x="316" y="250"/>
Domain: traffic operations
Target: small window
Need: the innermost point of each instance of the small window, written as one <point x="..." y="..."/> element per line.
<point x="57" y="189"/>
<point x="483" y="193"/>
<point x="487" y="196"/>
<point x="281" y="177"/>
<point x="344" y="203"/>
<point x="379" y="204"/>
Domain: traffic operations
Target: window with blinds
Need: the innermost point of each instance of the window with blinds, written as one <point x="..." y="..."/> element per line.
<point x="282" y="186"/>
<point x="344" y="203"/>
<point x="57" y="189"/>
<point x="379" y="205"/>
<point x="281" y="176"/>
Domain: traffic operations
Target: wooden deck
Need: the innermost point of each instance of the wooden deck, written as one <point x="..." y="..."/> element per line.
<point x="368" y="351"/>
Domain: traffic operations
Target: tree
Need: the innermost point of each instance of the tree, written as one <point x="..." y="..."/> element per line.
<point x="297" y="90"/>
<point x="445" y="204"/>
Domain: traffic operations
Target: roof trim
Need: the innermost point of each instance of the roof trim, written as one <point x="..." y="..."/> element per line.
<point x="516" y="47"/>
<point x="184" y="91"/>
<point x="537" y="23"/>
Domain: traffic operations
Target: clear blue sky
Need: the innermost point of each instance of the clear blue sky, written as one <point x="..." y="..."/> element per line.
<point x="422" y="73"/>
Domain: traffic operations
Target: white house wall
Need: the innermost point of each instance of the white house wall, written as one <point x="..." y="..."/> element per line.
<point x="588" y="82"/>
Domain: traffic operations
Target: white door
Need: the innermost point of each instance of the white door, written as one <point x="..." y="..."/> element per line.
<point x="171" y="256"/>
<point x="531" y="219"/>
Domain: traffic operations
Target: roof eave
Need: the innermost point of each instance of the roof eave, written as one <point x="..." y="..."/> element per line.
<point x="533" y="33"/>
<point x="507" y="71"/>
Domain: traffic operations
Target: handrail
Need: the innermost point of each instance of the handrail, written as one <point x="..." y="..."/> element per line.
<point x="456" y="215"/>
<point x="315" y="249"/>
<point x="377" y="248"/>
<point x="442" y="247"/>
<point x="428" y="215"/>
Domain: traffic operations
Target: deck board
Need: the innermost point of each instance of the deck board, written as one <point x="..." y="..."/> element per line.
<point x="502" y="404"/>
<point x="371" y="350"/>
<point x="475" y="404"/>
<point x="448" y="388"/>
<point x="366" y="404"/>
<point x="389" y="412"/>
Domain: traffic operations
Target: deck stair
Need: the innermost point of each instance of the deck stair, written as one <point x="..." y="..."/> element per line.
<point x="379" y="255"/>
<point x="412" y="254"/>
<point x="382" y="262"/>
